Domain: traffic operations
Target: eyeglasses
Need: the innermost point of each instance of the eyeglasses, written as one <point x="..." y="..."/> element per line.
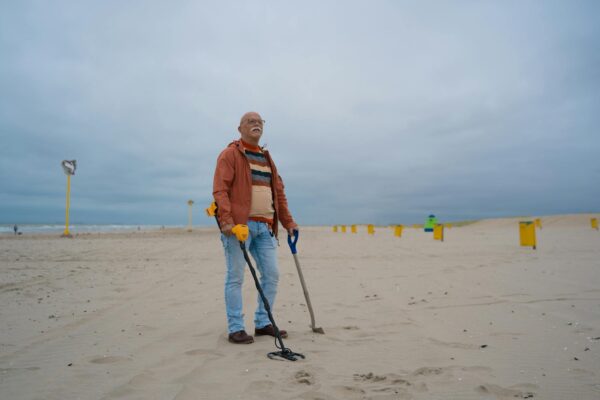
<point x="255" y="121"/>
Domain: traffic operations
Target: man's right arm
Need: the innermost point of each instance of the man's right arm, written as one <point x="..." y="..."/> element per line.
<point x="223" y="179"/>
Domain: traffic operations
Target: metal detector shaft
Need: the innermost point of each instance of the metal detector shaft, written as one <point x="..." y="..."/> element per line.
<point x="262" y="296"/>
<point x="292" y="244"/>
<point x="306" y="296"/>
<point x="285" y="352"/>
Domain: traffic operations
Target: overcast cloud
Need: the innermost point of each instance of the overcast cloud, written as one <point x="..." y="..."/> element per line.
<point x="377" y="111"/>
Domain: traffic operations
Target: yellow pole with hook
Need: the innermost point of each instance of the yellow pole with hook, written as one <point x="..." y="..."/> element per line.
<point x="66" y="232"/>
<point x="190" y="204"/>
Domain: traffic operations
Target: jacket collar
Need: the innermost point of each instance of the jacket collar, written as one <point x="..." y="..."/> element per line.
<point x="238" y="143"/>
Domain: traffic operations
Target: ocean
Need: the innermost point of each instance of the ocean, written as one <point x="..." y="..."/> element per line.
<point x="56" y="228"/>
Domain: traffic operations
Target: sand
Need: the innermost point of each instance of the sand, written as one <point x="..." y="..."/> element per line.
<point x="141" y="316"/>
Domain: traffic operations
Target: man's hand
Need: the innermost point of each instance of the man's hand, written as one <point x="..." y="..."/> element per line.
<point x="226" y="230"/>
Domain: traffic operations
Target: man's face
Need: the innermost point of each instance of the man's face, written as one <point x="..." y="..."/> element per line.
<point x="251" y="128"/>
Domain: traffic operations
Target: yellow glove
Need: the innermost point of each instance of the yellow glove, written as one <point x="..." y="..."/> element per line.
<point x="241" y="232"/>
<point x="210" y="211"/>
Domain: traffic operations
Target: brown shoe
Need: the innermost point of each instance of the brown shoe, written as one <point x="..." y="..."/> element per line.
<point x="240" y="337"/>
<point x="269" y="330"/>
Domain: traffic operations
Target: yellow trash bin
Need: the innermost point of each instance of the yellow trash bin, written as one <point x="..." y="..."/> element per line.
<point x="538" y="223"/>
<point x="343" y="228"/>
<point x="353" y="228"/>
<point x="527" y="233"/>
<point x="398" y="230"/>
<point x="335" y="228"/>
<point x="594" y="222"/>
<point x="438" y="232"/>
<point x="370" y="229"/>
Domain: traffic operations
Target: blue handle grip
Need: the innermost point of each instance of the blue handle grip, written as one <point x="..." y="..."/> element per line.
<point x="293" y="244"/>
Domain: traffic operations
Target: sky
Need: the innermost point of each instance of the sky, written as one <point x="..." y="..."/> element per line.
<point x="376" y="111"/>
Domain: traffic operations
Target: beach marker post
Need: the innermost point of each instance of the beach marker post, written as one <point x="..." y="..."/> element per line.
<point x="335" y="229"/>
<point x="353" y="228"/>
<point x="371" y="229"/>
<point x="343" y="228"/>
<point x="527" y="234"/>
<point x="398" y="230"/>
<point x="438" y="232"/>
<point x="594" y="222"/>
<point x="69" y="167"/>
<point x="190" y="204"/>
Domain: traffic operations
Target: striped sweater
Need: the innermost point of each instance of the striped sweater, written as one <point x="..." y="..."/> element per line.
<point x="261" y="208"/>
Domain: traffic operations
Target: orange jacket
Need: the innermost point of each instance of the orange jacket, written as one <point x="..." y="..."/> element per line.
<point x="232" y="189"/>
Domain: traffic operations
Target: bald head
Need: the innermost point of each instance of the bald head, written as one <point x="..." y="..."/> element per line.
<point x="250" y="115"/>
<point x="251" y="127"/>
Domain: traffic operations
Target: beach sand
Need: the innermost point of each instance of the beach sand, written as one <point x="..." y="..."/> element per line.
<point x="141" y="316"/>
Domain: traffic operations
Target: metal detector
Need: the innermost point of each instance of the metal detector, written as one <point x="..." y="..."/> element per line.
<point x="241" y="233"/>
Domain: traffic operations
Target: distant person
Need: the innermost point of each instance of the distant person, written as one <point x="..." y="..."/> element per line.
<point x="16" y="229"/>
<point x="248" y="190"/>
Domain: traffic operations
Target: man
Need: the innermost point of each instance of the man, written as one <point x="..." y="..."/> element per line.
<point x="248" y="190"/>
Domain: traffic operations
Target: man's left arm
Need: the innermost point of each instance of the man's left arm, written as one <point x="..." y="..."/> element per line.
<point x="285" y="217"/>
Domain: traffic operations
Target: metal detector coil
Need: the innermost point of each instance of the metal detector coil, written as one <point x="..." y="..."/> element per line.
<point x="241" y="233"/>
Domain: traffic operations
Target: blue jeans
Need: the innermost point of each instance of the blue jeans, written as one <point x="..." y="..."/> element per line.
<point x="262" y="246"/>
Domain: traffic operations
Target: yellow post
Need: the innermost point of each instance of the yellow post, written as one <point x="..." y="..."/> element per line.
<point x="527" y="233"/>
<point x="343" y="228"/>
<point x="370" y="229"/>
<point x="335" y="228"/>
<point x="438" y="232"/>
<point x="353" y="228"/>
<point x="594" y="222"/>
<point x="69" y="167"/>
<point x="398" y="230"/>
<point x="66" y="233"/>
<point x="538" y="223"/>
<point x="190" y="204"/>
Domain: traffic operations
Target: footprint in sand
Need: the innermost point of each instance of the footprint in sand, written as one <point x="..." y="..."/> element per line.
<point x="203" y="352"/>
<point x="304" y="377"/>
<point x="346" y="391"/>
<point x="514" y="391"/>
<point x="108" y="359"/>
<point x="428" y="371"/>
<point x="396" y="385"/>
<point x="369" y="377"/>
